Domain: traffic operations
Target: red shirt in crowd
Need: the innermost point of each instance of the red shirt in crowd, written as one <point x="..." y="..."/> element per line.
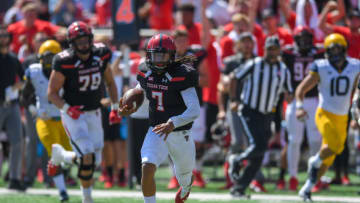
<point x="284" y="36"/>
<point x="210" y="92"/>
<point x="227" y="44"/>
<point x="194" y="33"/>
<point x="161" y="14"/>
<point x="103" y="12"/>
<point x="291" y="21"/>
<point x="18" y="29"/>
<point x="353" y="40"/>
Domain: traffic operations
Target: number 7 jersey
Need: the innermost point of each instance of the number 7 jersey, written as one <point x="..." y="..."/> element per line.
<point x="335" y="88"/>
<point x="83" y="79"/>
<point x="164" y="92"/>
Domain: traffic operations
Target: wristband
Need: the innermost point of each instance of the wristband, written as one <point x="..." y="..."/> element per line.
<point x="115" y="106"/>
<point x="65" y="108"/>
<point x="299" y="105"/>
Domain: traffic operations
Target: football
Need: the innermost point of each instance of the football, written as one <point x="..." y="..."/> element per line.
<point x="133" y="97"/>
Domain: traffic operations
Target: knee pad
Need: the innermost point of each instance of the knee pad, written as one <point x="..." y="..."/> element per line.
<point x="86" y="168"/>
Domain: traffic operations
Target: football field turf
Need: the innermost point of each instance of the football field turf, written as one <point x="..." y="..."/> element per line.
<point x="210" y="194"/>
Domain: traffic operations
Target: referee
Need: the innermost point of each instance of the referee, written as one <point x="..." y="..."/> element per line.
<point x="11" y="74"/>
<point x="264" y="80"/>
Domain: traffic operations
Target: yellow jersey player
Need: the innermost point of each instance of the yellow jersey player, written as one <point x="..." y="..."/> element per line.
<point x="48" y="123"/>
<point x="336" y="77"/>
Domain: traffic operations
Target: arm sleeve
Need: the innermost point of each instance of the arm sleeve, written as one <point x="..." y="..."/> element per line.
<point x="313" y="68"/>
<point x="192" y="111"/>
<point x="241" y="73"/>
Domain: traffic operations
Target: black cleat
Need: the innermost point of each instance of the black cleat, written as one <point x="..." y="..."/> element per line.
<point x="16" y="185"/>
<point x="64" y="197"/>
<point x="238" y="194"/>
<point x="305" y="195"/>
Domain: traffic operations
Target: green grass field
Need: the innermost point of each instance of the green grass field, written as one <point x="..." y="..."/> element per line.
<point x="162" y="177"/>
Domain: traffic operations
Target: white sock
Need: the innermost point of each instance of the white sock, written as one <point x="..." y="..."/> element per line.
<point x="69" y="157"/>
<point x="60" y="182"/>
<point x="293" y="155"/>
<point x="86" y="191"/>
<point x="151" y="199"/>
<point x="316" y="161"/>
<point x="308" y="185"/>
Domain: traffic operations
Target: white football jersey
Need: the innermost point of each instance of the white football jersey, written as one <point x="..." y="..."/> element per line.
<point x="335" y="88"/>
<point x="40" y="83"/>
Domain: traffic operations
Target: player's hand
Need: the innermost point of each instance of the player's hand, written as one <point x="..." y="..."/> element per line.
<point x="234" y="106"/>
<point x="33" y="110"/>
<point x="301" y="114"/>
<point x="221" y="115"/>
<point x="125" y="110"/>
<point x="354" y="124"/>
<point x="164" y="129"/>
<point x="73" y="111"/>
<point x="114" y="118"/>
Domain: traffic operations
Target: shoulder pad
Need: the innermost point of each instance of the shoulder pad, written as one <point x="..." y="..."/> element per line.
<point x="102" y="51"/>
<point x="67" y="53"/>
<point x="33" y="70"/>
<point x="353" y="61"/>
<point x="321" y="62"/>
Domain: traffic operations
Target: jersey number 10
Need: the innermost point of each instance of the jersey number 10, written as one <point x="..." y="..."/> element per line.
<point x="339" y="86"/>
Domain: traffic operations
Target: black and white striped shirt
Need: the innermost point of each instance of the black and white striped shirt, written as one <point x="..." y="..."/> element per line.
<point x="263" y="83"/>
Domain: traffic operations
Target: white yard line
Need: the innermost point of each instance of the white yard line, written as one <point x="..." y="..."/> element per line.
<point x="194" y="195"/>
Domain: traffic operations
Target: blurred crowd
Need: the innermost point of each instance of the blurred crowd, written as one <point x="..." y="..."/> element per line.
<point x="215" y="27"/>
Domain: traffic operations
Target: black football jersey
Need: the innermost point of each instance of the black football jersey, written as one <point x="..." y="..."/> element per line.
<point x="83" y="79"/>
<point x="164" y="92"/>
<point x="200" y="54"/>
<point x="298" y="65"/>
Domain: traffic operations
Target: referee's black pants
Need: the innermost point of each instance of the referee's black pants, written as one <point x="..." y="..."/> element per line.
<point x="256" y="126"/>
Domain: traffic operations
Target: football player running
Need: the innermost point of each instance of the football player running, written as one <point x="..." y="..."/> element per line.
<point x="298" y="59"/>
<point x="174" y="105"/>
<point x="81" y="71"/>
<point x="48" y="123"/>
<point x="336" y="77"/>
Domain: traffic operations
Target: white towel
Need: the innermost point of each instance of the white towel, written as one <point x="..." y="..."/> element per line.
<point x="313" y="24"/>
